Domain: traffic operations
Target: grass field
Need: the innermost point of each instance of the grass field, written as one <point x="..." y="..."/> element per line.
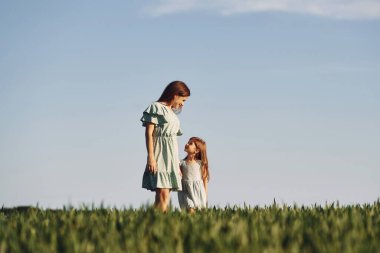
<point x="330" y="228"/>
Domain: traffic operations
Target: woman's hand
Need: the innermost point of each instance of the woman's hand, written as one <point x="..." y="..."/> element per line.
<point x="151" y="165"/>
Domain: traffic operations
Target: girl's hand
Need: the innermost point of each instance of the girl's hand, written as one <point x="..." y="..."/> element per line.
<point x="151" y="165"/>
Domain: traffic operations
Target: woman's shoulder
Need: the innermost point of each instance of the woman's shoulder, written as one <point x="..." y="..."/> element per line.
<point x="156" y="104"/>
<point x="154" y="113"/>
<point x="155" y="108"/>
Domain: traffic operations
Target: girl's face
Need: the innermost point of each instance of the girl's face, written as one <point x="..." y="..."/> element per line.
<point x="190" y="148"/>
<point x="178" y="102"/>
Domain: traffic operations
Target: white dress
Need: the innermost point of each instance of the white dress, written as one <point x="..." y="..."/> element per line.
<point x="193" y="194"/>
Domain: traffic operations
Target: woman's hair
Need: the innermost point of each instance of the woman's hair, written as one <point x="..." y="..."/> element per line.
<point x="178" y="88"/>
<point x="202" y="156"/>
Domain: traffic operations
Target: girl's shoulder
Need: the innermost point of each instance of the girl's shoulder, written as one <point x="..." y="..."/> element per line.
<point x="182" y="163"/>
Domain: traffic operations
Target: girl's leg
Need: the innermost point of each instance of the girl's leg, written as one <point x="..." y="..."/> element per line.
<point x="162" y="199"/>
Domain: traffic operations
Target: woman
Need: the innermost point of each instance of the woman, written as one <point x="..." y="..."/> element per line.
<point x="162" y="173"/>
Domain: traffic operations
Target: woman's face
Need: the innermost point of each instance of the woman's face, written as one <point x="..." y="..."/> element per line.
<point x="178" y="102"/>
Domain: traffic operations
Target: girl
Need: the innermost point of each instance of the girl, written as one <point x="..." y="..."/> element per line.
<point x="162" y="127"/>
<point x="195" y="176"/>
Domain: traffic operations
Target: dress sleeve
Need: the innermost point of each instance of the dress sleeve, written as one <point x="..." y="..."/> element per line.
<point x="153" y="114"/>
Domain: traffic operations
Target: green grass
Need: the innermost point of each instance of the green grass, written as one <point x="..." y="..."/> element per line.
<point x="330" y="228"/>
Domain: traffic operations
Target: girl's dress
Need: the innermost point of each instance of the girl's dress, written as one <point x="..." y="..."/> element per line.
<point x="193" y="194"/>
<point x="165" y="148"/>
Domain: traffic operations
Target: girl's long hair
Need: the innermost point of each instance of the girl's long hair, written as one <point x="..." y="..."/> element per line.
<point x="178" y="88"/>
<point x="202" y="156"/>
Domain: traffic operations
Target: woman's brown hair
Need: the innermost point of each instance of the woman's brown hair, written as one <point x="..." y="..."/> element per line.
<point x="178" y="88"/>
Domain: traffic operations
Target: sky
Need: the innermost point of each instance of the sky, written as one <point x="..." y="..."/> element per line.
<point x="285" y="93"/>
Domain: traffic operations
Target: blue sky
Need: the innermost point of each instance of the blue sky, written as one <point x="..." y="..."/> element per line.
<point x="286" y="94"/>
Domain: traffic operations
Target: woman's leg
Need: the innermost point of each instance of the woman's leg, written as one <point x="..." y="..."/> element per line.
<point x="162" y="199"/>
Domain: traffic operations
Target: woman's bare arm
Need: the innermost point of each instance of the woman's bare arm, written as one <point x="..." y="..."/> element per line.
<point x="151" y="161"/>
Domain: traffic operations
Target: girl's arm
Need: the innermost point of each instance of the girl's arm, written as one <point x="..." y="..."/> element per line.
<point x="205" y="184"/>
<point x="151" y="161"/>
